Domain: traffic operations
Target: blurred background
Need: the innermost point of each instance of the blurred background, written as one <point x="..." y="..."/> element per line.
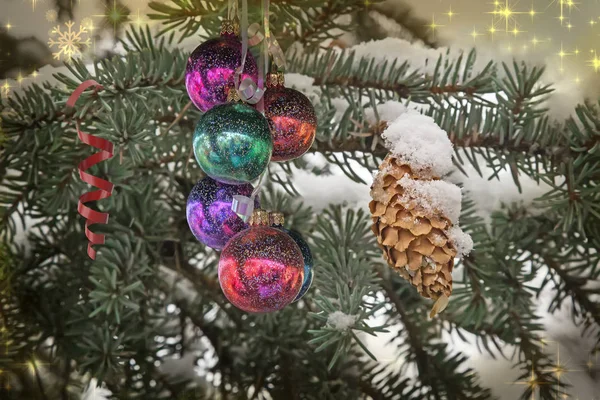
<point x="562" y="34"/>
<point x="37" y="36"/>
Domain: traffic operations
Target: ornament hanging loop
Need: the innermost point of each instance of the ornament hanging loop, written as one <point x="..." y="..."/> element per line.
<point x="248" y="90"/>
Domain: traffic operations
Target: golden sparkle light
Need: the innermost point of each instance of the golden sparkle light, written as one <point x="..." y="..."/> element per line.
<point x="33" y="3"/>
<point x="532" y="383"/>
<point x="8" y="26"/>
<point x="562" y="54"/>
<point x="450" y="13"/>
<point x="20" y="79"/>
<point x="492" y="30"/>
<point x="474" y="34"/>
<point x="88" y="24"/>
<point x="595" y="62"/>
<point x="532" y="13"/>
<point x="515" y="31"/>
<point x="5" y="91"/>
<point x="571" y="4"/>
<point x="139" y="20"/>
<point x="591" y="364"/>
<point x="433" y="25"/>
<point x="505" y="12"/>
<point x="114" y="15"/>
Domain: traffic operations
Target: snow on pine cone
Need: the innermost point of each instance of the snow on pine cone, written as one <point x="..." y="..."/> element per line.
<point x="412" y="237"/>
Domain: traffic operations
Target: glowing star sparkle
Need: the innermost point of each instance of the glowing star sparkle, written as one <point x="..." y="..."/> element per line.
<point x="88" y="24"/>
<point x="515" y="31"/>
<point x="20" y="79"/>
<point x="433" y="25"/>
<point x="115" y="15"/>
<point x="51" y="15"/>
<point x="492" y="30"/>
<point x="562" y="54"/>
<point x="138" y="19"/>
<point x="506" y="13"/>
<point x="33" y="4"/>
<point x="474" y="34"/>
<point x="69" y="42"/>
<point x="532" y="383"/>
<point x="571" y="4"/>
<point x="451" y="14"/>
<point x="595" y="62"/>
<point x="532" y="13"/>
<point x="5" y="88"/>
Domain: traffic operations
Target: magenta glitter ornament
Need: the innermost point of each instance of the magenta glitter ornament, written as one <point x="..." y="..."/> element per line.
<point x="261" y="269"/>
<point x="210" y="70"/>
<point x="291" y="117"/>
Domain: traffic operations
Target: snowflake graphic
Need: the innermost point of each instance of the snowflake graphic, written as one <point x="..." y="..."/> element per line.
<point x="69" y="42"/>
<point x="51" y="15"/>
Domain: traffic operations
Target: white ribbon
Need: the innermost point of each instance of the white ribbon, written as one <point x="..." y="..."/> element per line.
<point x="244" y="206"/>
<point x="231" y="9"/>
<point x="248" y="90"/>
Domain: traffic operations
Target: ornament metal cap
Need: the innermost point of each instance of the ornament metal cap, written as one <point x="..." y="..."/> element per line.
<point x="230" y="27"/>
<point x="233" y="95"/>
<point x="276" y="218"/>
<point x="275" y="79"/>
<point x="259" y="218"/>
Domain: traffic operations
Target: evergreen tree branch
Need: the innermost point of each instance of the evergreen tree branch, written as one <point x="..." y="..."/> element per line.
<point x="60" y="295"/>
<point x="405" y="16"/>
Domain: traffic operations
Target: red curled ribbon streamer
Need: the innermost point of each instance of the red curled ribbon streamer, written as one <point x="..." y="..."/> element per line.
<point x="105" y="187"/>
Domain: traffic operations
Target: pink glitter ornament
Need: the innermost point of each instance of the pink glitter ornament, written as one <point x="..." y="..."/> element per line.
<point x="211" y="67"/>
<point x="291" y="117"/>
<point x="261" y="269"/>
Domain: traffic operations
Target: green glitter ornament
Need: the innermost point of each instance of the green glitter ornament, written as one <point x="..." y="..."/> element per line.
<point x="232" y="143"/>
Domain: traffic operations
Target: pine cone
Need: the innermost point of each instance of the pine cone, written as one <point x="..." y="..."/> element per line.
<point x="413" y="239"/>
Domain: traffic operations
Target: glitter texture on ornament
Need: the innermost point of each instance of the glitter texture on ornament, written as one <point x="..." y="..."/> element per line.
<point x="291" y="117"/>
<point x="209" y="213"/>
<point x="232" y="143"/>
<point x="210" y="71"/>
<point x="261" y="270"/>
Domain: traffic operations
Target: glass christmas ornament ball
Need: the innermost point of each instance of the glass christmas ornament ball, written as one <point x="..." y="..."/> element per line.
<point x="232" y="143"/>
<point x="308" y="262"/>
<point x="209" y="213"/>
<point x="293" y="122"/>
<point x="210" y="70"/>
<point x="261" y="270"/>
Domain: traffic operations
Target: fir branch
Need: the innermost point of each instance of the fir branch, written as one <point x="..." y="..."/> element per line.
<point x="574" y="286"/>
<point x="428" y="357"/>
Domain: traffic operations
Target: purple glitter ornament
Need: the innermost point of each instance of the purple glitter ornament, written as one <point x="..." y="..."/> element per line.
<point x="209" y="213"/>
<point x="210" y="70"/>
